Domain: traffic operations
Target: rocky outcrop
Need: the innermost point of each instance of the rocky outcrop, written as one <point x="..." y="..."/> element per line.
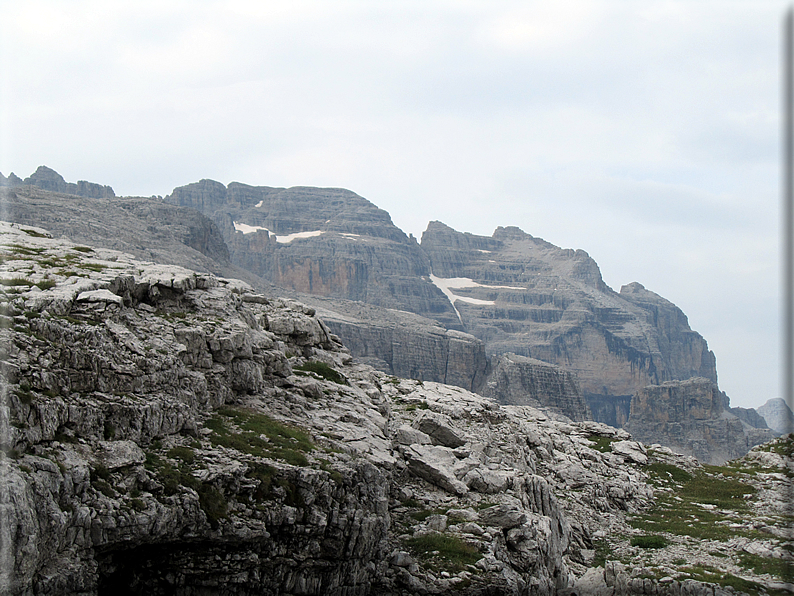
<point x="164" y="431"/>
<point x="777" y="415"/>
<point x="524" y="295"/>
<point x="406" y="345"/>
<point x="689" y="417"/>
<point x="516" y="380"/>
<point x="322" y="241"/>
<point x="508" y="293"/>
<point x="146" y="228"/>
<point x="48" y="179"/>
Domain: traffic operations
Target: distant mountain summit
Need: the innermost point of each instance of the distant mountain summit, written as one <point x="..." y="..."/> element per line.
<point x="778" y="415"/>
<point x="48" y="179"/>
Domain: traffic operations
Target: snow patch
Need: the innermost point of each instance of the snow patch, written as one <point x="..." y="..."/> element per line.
<point x="259" y="204"/>
<point x="286" y="239"/>
<point x="246" y="229"/>
<point x="446" y="285"/>
<point x="351" y="235"/>
<point x="290" y="237"/>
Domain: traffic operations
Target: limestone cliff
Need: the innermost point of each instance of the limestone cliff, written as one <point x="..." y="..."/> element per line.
<point x="689" y="417"/>
<point x="169" y="432"/>
<point x="777" y="415"/>
<point x="524" y="295"/>
<point x="405" y="344"/>
<point x="517" y="380"/>
<point x="322" y="241"/>
<point x="48" y="179"/>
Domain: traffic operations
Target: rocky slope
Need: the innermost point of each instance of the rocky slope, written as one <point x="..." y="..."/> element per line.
<point x="511" y="293"/>
<point x="167" y="432"/>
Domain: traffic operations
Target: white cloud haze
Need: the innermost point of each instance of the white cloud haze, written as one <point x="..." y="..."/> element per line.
<point x="646" y="133"/>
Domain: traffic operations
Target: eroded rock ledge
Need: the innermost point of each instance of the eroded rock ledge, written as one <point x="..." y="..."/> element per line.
<point x="165" y="432"/>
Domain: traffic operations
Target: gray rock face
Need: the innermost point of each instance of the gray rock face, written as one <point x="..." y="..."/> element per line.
<point x="529" y="297"/>
<point x="164" y="431"/>
<point x="322" y="241"/>
<point x="777" y="415"/>
<point x="48" y="179"/>
<point x="405" y="344"/>
<point x="689" y="417"/>
<point x="516" y="380"/>
<point x="146" y="228"/>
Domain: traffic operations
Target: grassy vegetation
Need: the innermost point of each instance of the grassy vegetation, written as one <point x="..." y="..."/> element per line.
<point x="322" y="370"/>
<point x="667" y="472"/>
<point x="269" y="481"/>
<point x="602" y="444"/>
<point x="422" y="514"/>
<point x="281" y="441"/>
<point x="681" y="512"/>
<point x="16" y="281"/>
<point x="34" y="233"/>
<point x="649" y="541"/>
<point x="707" y="573"/>
<point x="443" y="551"/>
<point x="775" y="567"/>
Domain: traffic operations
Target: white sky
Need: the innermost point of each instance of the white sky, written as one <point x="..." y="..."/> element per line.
<point x="645" y="133"/>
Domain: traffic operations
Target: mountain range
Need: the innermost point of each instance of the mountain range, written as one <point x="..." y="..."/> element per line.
<point x="509" y="316"/>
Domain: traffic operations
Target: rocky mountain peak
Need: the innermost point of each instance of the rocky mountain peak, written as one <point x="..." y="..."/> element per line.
<point x="48" y="179"/>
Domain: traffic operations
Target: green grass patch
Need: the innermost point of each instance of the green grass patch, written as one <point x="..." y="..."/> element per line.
<point x="30" y="251"/>
<point x="709" y="574"/>
<point x="82" y="249"/>
<point x="186" y="454"/>
<point x="668" y="472"/>
<point x="45" y="284"/>
<point x="322" y="370"/>
<point x="16" y="281"/>
<point x="680" y="512"/>
<point x="34" y="233"/>
<point x="443" y="551"/>
<point x="282" y="441"/>
<point x="423" y="514"/>
<point x="96" y="267"/>
<point x="780" y="568"/>
<point x="602" y="444"/>
<point x="649" y="541"/>
<point x="269" y="483"/>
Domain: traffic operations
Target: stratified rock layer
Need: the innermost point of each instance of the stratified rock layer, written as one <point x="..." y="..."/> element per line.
<point x="688" y="416"/>
<point x="322" y="241"/>
<point x="516" y="380"/>
<point x="168" y="432"/>
<point x="523" y="295"/>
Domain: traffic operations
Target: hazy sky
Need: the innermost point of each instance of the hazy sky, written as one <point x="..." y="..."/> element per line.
<point x="644" y="132"/>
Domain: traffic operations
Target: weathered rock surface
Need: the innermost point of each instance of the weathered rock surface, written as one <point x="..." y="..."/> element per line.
<point x="164" y="432"/>
<point x="509" y="292"/>
<point x="146" y="228"/>
<point x="688" y="416"/>
<point x="405" y="344"/>
<point x="523" y="295"/>
<point x="777" y="415"/>
<point x="517" y="380"/>
<point x="322" y="241"/>
<point x="48" y="179"/>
